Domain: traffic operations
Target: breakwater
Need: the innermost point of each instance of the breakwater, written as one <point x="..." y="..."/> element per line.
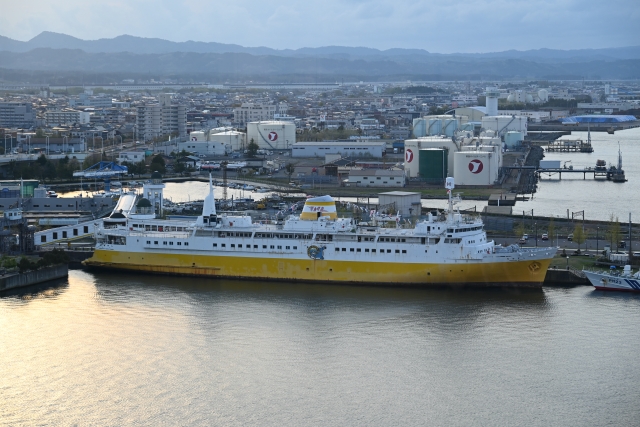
<point x="34" y="277"/>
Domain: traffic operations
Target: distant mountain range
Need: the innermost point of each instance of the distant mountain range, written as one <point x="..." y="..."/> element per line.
<point x="55" y="52"/>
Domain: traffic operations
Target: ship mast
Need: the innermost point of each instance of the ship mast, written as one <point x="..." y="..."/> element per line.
<point x="449" y="184"/>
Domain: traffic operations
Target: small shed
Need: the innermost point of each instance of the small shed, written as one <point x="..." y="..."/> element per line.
<point x="406" y="202"/>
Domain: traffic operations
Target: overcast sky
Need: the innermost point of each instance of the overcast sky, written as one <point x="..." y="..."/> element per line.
<point x="443" y="26"/>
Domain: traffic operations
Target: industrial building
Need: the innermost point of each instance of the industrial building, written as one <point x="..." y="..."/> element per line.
<point x="412" y="149"/>
<point x="376" y="178"/>
<point x="272" y="135"/>
<point x="213" y="148"/>
<point x="477" y="167"/>
<point x="367" y="148"/>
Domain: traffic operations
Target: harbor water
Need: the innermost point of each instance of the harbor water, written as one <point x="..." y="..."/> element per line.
<point x="122" y="349"/>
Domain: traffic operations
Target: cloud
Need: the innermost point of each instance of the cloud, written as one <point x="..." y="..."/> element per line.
<point x="452" y="26"/>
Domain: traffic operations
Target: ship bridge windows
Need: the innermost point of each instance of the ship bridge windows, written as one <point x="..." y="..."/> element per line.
<point x="116" y="240"/>
<point x="452" y="240"/>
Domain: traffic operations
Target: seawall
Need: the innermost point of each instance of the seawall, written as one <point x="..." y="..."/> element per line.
<point x="19" y="280"/>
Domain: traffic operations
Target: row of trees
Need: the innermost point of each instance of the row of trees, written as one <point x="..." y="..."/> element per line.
<point x="612" y="234"/>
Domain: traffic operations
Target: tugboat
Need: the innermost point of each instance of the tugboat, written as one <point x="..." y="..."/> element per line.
<point x="617" y="174"/>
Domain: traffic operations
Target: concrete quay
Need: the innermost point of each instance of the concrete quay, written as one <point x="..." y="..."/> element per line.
<point x="34" y="277"/>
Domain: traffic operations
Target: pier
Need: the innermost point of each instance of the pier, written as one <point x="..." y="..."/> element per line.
<point x="611" y="174"/>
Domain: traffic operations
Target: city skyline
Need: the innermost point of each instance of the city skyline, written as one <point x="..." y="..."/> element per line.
<point x="469" y="27"/>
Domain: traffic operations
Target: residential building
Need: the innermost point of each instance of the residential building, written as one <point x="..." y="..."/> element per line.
<point x="250" y="112"/>
<point x="66" y="116"/>
<point x="17" y="115"/>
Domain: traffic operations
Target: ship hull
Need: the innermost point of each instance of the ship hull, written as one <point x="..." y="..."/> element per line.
<point x="523" y="273"/>
<point x="607" y="282"/>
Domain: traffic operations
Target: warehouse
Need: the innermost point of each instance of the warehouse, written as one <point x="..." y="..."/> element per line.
<point x="368" y="148"/>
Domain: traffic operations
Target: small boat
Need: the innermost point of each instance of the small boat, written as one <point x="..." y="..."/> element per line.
<point x="52" y="194"/>
<point x="248" y="187"/>
<point x="614" y="280"/>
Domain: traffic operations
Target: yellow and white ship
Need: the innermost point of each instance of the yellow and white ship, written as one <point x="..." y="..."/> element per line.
<point x="317" y="246"/>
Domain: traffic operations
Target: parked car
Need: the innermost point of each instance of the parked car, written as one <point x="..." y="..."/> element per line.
<point x="525" y="236"/>
<point x="522" y="240"/>
<point x="570" y="237"/>
<point x="622" y="244"/>
<point x="545" y="236"/>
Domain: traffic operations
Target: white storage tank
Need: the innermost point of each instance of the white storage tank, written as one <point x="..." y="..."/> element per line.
<point x="450" y="127"/>
<point x="476" y="167"/>
<point x="272" y="135"/>
<point x="197" y="135"/>
<point x="419" y="127"/>
<point x="236" y="140"/>
<point x="513" y="139"/>
<point x="412" y="147"/>
<point x="435" y="127"/>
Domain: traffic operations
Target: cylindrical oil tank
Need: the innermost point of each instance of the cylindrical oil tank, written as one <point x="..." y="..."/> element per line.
<point x="419" y="127"/>
<point x="433" y="164"/>
<point x="513" y="138"/>
<point x="450" y="126"/>
<point x="435" y="127"/>
<point x="411" y="164"/>
<point x="476" y="167"/>
<point x="272" y="135"/>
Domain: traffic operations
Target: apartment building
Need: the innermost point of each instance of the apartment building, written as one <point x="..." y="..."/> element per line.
<point x="249" y="112"/>
<point x="17" y="115"/>
<point x="164" y="118"/>
<point x="66" y="117"/>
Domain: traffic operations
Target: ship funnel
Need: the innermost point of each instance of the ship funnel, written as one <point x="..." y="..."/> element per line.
<point x="209" y="205"/>
<point x="317" y="207"/>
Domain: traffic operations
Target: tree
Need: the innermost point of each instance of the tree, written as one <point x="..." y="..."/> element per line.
<point x="158" y="164"/>
<point x="252" y="148"/>
<point x="520" y="229"/>
<point x="551" y="230"/>
<point x="613" y="233"/>
<point x="290" y="169"/>
<point x="578" y="236"/>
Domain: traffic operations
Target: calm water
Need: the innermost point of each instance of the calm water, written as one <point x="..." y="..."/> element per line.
<point x="110" y="349"/>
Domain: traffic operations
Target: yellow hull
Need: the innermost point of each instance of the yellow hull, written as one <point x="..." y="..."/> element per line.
<point x="511" y="273"/>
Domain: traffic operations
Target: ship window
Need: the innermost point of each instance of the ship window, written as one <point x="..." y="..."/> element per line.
<point x="255" y="246"/>
<point x="154" y="228"/>
<point x="388" y="251"/>
<point x="397" y="251"/>
<point x="179" y="243"/>
<point x="359" y="250"/>
<point x="264" y="246"/>
<point x="350" y="249"/>
<point x="148" y="242"/>
<point x="55" y="235"/>
<point x="337" y="249"/>
<point x="366" y="250"/>
<point x="373" y="251"/>
<point x="75" y="231"/>
<point x="271" y="246"/>
<point x="224" y="245"/>
<point x="64" y="234"/>
<point x="215" y="245"/>
<point x="43" y="239"/>
<point x="155" y="242"/>
<point x="186" y="243"/>
<point x="404" y="251"/>
<point x="287" y="247"/>
<point x="279" y="247"/>
<point x="239" y="246"/>
<point x="233" y="245"/>
<point x="403" y="240"/>
<point x="344" y="249"/>
<point x="86" y="228"/>
<point x="164" y="243"/>
<point x="170" y="243"/>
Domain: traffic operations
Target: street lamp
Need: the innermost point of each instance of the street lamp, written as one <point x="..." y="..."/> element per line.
<point x="536" y="224"/>
<point x="597" y="239"/>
